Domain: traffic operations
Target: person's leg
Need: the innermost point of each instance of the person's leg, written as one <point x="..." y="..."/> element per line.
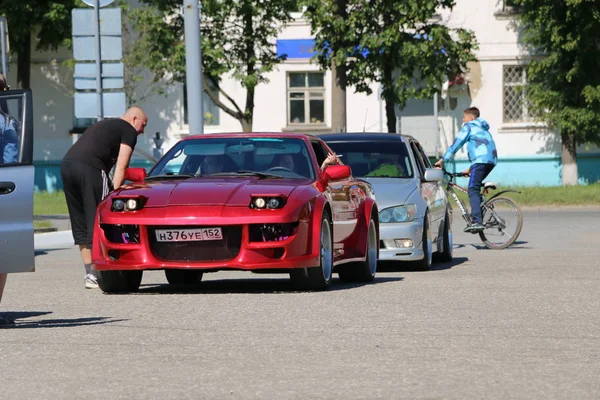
<point x="75" y="175"/>
<point x="96" y="187"/>
<point x="478" y="173"/>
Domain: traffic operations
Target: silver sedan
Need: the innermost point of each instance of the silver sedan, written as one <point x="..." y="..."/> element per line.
<point x="415" y="216"/>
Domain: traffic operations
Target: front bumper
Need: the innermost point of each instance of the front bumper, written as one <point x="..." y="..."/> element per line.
<point x="390" y="232"/>
<point x="129" y="245"/>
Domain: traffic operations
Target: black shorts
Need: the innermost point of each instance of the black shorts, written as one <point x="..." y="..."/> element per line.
<point x="84" y="187"/>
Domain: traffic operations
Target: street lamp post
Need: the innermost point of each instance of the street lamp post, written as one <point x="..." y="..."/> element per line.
<point x="193" y="64"/>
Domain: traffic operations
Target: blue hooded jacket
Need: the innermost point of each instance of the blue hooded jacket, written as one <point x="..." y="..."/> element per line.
<point x="480" y="144"/>
<point x="9" y="139"/>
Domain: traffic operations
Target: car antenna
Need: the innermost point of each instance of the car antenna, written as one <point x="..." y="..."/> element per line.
<point x="365" y="123"/>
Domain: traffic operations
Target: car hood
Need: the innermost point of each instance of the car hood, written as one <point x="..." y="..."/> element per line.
<point x="391" y="191"/>
<point x="233" y="192"/>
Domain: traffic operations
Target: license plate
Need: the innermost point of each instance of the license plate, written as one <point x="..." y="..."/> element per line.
<point x="188" y="235"/>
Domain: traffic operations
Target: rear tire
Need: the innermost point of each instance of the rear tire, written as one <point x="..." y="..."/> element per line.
<point x="506" y="202"/>
<point x="425" y="263"/>
<point x="319" y="278"/>
<point x="364" y="271"/>
<point x="183" y="276"/>
<point x="119" y="281"/>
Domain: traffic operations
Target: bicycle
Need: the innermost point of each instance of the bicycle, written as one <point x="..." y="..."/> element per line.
<point x="491" y="209"/>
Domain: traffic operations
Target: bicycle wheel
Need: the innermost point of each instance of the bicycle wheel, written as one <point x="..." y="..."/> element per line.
<point x="503" y="222"/>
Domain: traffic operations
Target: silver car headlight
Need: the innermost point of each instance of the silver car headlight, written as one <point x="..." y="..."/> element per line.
<point x="405" y="213"/>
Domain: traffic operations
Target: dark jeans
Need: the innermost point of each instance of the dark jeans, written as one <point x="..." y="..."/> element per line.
<point x="478" y="173"/>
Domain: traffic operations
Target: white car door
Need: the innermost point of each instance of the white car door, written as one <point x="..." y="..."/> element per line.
<point x="16" y="182"/>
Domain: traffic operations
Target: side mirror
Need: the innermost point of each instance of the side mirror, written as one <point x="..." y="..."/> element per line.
<point x="337" y="172"/>
<point x="433" y="175"/>
<point x="135" y="174"/>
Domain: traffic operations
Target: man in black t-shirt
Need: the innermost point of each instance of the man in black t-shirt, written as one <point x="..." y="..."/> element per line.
<point x="85" y="169"/>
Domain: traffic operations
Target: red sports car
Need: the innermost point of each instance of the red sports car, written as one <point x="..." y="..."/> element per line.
<point x="252" y="201"/>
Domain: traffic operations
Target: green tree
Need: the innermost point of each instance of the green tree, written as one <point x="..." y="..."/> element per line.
<point x="46" y="22"/>
<point x="563" y="87"/>
<point x="237" y="39"/>
<point x="395" y="43"/>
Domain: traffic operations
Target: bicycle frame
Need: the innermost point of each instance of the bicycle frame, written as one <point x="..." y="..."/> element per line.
<point x="450" y="189"/>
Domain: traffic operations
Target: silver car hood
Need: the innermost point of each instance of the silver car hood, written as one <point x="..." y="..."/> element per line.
<point x="391" y="191"/>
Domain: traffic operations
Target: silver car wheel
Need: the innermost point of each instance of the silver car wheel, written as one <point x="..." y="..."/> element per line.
<point x="326" y="250"/>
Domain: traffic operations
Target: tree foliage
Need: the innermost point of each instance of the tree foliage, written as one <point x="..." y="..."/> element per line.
<point x="395" y="43"/>
<point x="563" y="80"/>
<point x="237" y="39"/>
<point x="50" y="21"/>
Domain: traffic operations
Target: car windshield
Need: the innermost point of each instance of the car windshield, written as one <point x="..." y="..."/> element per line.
<point x="383" y="159"/>
<point x="265" y="158"/>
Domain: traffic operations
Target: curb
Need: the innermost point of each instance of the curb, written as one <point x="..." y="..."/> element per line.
<point x="61" y="239"/>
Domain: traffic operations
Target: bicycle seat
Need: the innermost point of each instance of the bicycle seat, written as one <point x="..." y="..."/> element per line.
<point x="489" y="185"/>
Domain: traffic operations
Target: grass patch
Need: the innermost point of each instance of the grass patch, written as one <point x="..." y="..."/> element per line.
<point x="45" y="203"/>
<point x="548" y="196"/>
<point x="42" y="224"/>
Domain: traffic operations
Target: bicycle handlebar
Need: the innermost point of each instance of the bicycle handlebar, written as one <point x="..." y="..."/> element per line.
<point x="453" y="175"/>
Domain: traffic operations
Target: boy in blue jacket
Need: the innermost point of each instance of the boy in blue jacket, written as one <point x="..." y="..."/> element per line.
<point x="482" y="155"/>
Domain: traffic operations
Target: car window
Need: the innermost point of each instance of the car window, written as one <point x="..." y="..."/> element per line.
<point x="424" y="157"/>
<point x="418" y="158"/>
<point x="12" y="131"/>
<point x="320" y="152"/>
<point x="285" y="157"/>
<point x="385" y="159"/>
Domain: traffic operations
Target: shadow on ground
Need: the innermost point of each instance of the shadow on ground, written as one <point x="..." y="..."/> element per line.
<point x="518" y="245"/>
<point x="408" y="266"/>
<point x="22" y="322"/>
<point x="242" y="286"/>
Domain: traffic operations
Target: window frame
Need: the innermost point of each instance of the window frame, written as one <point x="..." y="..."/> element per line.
<point x="525" y="113"/>
<point x="306" y="90"/>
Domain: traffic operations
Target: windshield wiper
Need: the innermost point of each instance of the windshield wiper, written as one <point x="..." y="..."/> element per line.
<point x="245" y="172"/>
<point x="169" y="175"/>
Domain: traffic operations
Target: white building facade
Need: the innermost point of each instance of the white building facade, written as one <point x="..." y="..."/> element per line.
<point x="297" y="98"/>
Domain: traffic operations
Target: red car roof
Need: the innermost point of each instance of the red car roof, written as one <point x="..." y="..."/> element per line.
<point x="251" y="135"/>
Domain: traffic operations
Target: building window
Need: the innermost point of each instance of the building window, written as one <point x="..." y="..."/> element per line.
<point x="211" y="110"/>
<point x="515" y="94"/>
<point x="306" y="98"/>
<point x="507" y="7"/>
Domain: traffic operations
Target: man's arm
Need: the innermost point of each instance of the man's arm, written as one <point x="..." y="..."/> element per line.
<point x="122" y="163"/>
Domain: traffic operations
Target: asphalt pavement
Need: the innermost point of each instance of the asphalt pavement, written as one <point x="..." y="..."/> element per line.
<point x="517" y="323"/>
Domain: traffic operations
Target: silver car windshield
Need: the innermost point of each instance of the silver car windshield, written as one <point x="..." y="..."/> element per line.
<point x="384" y="159"/>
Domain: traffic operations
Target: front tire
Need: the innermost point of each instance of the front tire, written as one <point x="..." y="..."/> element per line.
<point x="446" y="254"/>
<point x="119" y="281"/>
<point x="425" y="263"/>
<point x="319" y="278"/>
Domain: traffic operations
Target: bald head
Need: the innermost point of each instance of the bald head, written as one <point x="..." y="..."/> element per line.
<point x="137" y="118"/>
<point x="3" y="85"/>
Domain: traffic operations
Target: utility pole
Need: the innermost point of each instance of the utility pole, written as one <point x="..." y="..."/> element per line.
<point x="193" y="64"/>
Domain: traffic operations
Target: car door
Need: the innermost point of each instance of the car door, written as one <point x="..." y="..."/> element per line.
<point x="16" y="182"/>
<point x="428" y="189"/>
<point x="439" y="195"/>
<point x="344" y="218"/>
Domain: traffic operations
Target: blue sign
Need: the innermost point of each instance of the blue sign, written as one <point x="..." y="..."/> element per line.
<point x="296" y="48"/>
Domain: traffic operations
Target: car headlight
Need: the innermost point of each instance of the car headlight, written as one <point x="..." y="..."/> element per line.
<point x="405" y="213"/>
<point x="127" y="204"/>
<point x="270" y="202"/>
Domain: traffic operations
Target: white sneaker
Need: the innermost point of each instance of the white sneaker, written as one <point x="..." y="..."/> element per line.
<point x="91" y="282"/>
